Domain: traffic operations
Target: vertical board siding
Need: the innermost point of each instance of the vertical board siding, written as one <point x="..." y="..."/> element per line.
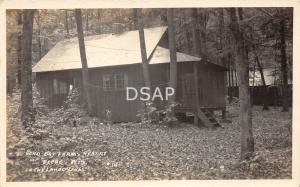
<point x="45" y="87"/>
<point x="211" y="80"/>
<point x="115" y="100"/>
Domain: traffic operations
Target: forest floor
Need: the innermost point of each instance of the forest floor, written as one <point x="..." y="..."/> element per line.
<point x="134" y="151"/>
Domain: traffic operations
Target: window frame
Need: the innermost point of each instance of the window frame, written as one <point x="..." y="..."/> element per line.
<point x="108" y="78"/>
<point x="59" y="87"/>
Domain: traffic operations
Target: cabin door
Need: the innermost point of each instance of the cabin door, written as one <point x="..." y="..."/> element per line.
<point x="188" y="90"/>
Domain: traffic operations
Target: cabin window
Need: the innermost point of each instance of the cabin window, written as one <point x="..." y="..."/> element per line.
<point x="60" y="87"/>
<point x="63" y="88"/>
<point x="114" y="82"/>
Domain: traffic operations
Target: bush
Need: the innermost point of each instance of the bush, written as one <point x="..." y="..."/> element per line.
<point x="150" y="114"/>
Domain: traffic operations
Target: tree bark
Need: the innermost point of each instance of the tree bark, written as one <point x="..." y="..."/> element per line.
<point x="195" y="34"/>
<point x="202" y="19"/>
<point x="139" y="18"/>
<point x="241" y="60"/>
<point x="38" y="21"/>
<point x="195" y="67"/>
<point x="173" y="58"/>
<point x="285" y="106"/>
<point x="19" y="49"/>
<point x="186" y="36"/>
<point x="230" y="81"/>
<point x="253" y="83"/>
<point x="27" y="116"/>
<point x="221" y="28"/>
<point x="85" y="72"/>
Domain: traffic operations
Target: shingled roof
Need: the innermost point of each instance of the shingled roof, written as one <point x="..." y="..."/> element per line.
<point x="108" y="50"/>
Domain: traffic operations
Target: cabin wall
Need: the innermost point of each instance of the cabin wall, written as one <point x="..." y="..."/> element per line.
<point x="114" y="100"/>
<point x="122" y="110"/>
<point x="46" y="88"/>
<point x="211" y="80"/>
<point x="211" y="88"/>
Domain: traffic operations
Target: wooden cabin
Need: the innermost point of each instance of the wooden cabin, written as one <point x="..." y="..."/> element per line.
<point x="114" y="63"/>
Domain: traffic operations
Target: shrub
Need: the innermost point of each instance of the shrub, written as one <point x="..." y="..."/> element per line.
<point x="150" y="114"/>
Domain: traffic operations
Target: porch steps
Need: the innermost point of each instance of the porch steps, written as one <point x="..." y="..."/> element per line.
<point x="205" y="115"/>
<point x="207" y="118"/>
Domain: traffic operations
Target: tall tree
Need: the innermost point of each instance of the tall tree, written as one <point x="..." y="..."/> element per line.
<point x="195" y="33"/>
<point x="242" y="66"/>
<point x="138" y="13"/>
<point x="38" y="23"/>
<point x="231" y="81"/>
<point x="253" y="83"/>
<point x="19" y="48"/>
<point x="196" y="52"/>
<point x="202" y="19"/>
<point x="278" y="27"/>
<point x="221" y="28"/>
<point x="85" y="72"/>
<point x="26" y="72"/>
<point x="283" y="66"/>
<point x="173" y="58"/>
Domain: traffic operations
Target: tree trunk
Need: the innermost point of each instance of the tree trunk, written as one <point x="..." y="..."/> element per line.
<point x="173" y="58"/>
<point x="266" y="100"/>
<point x="285" y="106"/>
<point x="253" y="83"/>
<point x="185" y="33"/>
<point x="195" y="67"/>
<point x="202" y="19"/>
<point x="230" y="81"/>
<point x="19" y="50"/>
<point x="186" y="37"/>
<point x="195" y="34"/>
<point x="143" y="48"/>
<point x="221" y="28"/>
<point x="67" y="22"/>
<point x="85" y="72"/>
<point x="27" y="116"/>
<point x="241" y="60"/>
<point x="39" y="34"/>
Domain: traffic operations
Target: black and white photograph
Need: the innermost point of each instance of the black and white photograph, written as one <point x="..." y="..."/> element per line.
<point x="138" y="94"/>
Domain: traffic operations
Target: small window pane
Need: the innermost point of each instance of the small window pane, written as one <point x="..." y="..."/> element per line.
<point x="111" y="82"/>
<point x="114" y="82"/>
<point x="120" y="81"/>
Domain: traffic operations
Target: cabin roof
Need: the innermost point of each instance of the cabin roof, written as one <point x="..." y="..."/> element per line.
<point x="108" y="50"/>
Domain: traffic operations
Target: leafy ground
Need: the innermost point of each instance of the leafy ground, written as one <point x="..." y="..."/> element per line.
<point x="147" y="151"/>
